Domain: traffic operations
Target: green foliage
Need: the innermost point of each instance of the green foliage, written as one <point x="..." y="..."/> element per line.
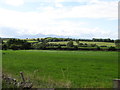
<point x="4" y="46"/>
<point x="59" y="46"/>
<point x="38" y="39"/>
<point x="39" y="45"/>
<point x="76" y="47"/>
<point x="117" y="42"/>
<point x="98" y="48"/>
<point x="80" y="44"/>
<point x="70" y="44"/>
<point x="102" y="40"/>
<point x="15" y="41"/>
<point x="55" y="43"/>
<point x="16" y="44"/>
<point x="111" y="48"/>
<point x="93" y="45"/>
<point x="15" y="47"/>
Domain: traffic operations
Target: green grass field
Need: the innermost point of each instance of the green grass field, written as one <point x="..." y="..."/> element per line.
<point x="52" y="68"/>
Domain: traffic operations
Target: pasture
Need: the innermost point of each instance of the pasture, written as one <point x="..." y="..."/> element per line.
<point x="58" y="69"/>
<point x="88" y="42"/>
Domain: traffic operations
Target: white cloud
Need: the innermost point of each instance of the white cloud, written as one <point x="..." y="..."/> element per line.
<point x="97" y="10"/>
<point x="56" y="1"/>
<point x="58" y="5"/>
<point x="14" y="2"/>
<point x="94" y="9"/>
<point x="46" y="22"/>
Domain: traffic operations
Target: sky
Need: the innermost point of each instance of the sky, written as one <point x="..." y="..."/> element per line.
<point x="71" y="18"/>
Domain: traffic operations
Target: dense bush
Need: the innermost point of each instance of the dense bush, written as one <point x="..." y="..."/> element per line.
<point x="16" y="44"/>
<point x="117" y="42"/>
<point x="15" y="47"/>
<point x="111" y="48"/>
<point x="103" y="46"/>
<point x="76" y="47"/>
<point x="80" y="44"/>
<point x="39" y="45"/>
<point x="98" y="48"/>
<point x="93" y="45"/>
<point x="70" y="44"/>
<point x="4" y="47"/>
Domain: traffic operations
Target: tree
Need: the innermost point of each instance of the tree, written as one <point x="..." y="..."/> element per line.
<point x="70" y="44"/>
<point x="98" y="48"/>
<point x="18" y="44"/>
<point x="2" y="42"/>
<point x="80" y="44"/>
<point x="15" y="47"/>
<point x="117" y="42"/>
<point x="38" y="39"/>
<point x="26" y="45"/>
<point x="111" y="48"/>
<point x="76" y="47"/>
<point x="4" y="47"/>
<point x="39" y="45"/>
<point x="59" y="46"/>
<point x="93" y="45"/>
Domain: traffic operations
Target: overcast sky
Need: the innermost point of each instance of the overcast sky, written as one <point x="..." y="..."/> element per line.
<point x="72" y="18"/>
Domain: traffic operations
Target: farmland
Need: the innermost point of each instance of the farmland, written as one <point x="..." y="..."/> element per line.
<point x="87" y="42"/>
<point x="97" y="43"/>
<point x="58" y="44"/>
<point x="55" y="68"/>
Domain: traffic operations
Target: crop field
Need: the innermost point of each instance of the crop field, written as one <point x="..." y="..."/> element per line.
<point x="52" y="68"/>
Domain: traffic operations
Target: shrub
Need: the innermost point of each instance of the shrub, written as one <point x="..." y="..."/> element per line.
<point x="80" y="44"/>
<point x="70" y="44"/>
<point x="98" y="48"/>
<point x="4" y="47"/>
<point x="117" y="42"/>
<point x="93" y="45"/>
<point x="76" y="47"/>
<point x="15" y="47"/>
<point x="111" y="48"/>
<point x="59" y="46"/>
<point x="103" y="46"/>
<point x="39" y="45"/>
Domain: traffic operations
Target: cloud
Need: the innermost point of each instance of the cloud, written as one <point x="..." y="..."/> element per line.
<point x="51" y="20"/>
<point x="93" y="9"/>
<point x="57" y="0"/>
<point x="8" y="32"/>
<point x="14" y="2"/>
<point x="96" y="10"/>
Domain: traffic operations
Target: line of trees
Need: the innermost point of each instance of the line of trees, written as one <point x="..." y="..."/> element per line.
<point x="102" y="40"/>
<point x="50" y="39"/>
<point x="18" y="44"/>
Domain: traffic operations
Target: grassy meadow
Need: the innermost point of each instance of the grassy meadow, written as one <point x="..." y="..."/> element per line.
<point x="69" y="69"/>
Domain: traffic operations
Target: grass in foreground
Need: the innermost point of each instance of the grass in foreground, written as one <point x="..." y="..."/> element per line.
<point x="76" y="69"/>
